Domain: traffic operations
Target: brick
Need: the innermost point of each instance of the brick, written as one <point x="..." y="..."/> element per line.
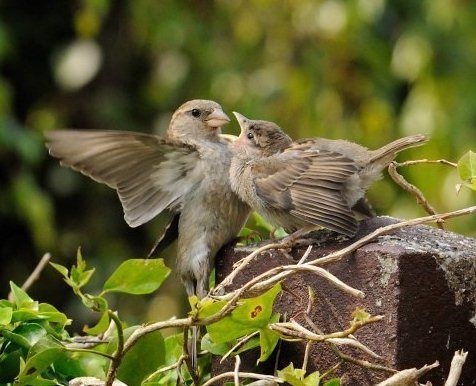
<point x="422" y="279"/>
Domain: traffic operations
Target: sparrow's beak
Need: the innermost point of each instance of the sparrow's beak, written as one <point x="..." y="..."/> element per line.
<point x="217" y="118"/>
<point x="241" y="120"/>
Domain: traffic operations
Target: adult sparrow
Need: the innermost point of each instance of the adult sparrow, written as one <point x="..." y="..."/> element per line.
<point x="184" y="173"/>
<point x="307" y="183"/>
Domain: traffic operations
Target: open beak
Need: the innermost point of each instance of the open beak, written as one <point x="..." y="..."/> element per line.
<point x="217" y="118"/>
<point x="241" y="120"/>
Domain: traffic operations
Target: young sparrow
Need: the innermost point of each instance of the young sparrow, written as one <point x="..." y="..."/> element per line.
<point x="185" y="173"/>
<point x="307" y="183"/>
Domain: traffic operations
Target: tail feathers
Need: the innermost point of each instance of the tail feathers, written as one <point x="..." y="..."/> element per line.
<point x="389" y="151"/>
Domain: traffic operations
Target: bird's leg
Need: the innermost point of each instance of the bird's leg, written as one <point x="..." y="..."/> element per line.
<point x="191" y="349"/>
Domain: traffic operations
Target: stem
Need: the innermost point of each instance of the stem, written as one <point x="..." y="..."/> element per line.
<point x="412" y="189"/>
<point x="103" y="354"/>
<point x="173" y="366"/>
<point x="118" y="355"/>
<point x="188" y="359"/>
<point x="34" y="275"/>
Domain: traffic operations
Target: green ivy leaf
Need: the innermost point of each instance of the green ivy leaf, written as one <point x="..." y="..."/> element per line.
<point x="173" y="351"/>
<point x="95" y="303"/>
<point x="40" y="357"/>
<point x="100" y="327"/>
<point x="32" y="332"/>
<point x="360" y="315"/>
<point x="332" y="382"/>
<point x="292" y="376"/>
<point x="20" y="297"/>
<point x="313" y="379"/>
<point x="10" y="365"/>
<point x="137" y="276"/>
<point x="80" y="276"/>
<point x="80" y="364"/>
<point x="61" y="269"/>
<point x="214" y="348"/>
<point x="5" y="315"/>
<point x="141" y="360"/>
<point x="251" y="314"/>
<point x="467" y="169"/>
<point x="52" y="314"/>
<point x="17" y="339"/>
<point x="268" y="340"/>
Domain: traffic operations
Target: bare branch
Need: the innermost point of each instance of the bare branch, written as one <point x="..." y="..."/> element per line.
<point x="34" y="275"/>
<point x="364" y="363"/>
<point x="236" y="376"/>
<point x="427" y="161"/>
<point x="352" y="342"/>
<point x="412" y="189"/>
<point x="408" y="376"/>
<point x="456" y="367"/>
<point x="294" y="330"/>
<point x="173" y="366"/>
<point x="240" y="343"/>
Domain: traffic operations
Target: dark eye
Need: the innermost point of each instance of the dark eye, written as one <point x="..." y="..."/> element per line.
<point x="196" y="113"/>
<point x="250" y="135"/>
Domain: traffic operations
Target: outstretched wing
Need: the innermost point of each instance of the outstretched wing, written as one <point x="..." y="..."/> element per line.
<point x="148" y="173"/>
<point x="308" y="185"/>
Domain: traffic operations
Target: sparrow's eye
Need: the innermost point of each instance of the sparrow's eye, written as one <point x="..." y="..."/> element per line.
<point x="250" y="136"/>
<point x="196" y="113"/>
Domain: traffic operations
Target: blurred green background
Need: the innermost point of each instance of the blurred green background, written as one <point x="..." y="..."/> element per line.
<point x="365" y="70"/>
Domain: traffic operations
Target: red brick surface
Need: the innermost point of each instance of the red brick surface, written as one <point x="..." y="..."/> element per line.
<point x="421" y="279"/>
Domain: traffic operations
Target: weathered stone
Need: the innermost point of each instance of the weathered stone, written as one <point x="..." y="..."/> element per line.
<point x="422" y="279"/>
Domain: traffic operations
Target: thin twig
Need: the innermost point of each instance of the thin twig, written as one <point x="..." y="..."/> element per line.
<point x="34" y="275"/>
<point x="427" y="161"/>
<point x="412" y="189"/>
<point x="364" y="363"/>
<point x="236" y="376"/>
<point x="173" y="366"/>
<point x="244" y="262"/>
<point x="296" y="331"/>
<point x="240" y="343"/>
<point x="408" y="376"/>
<point x="326" y="275"/>
<point x="352" y="342"/>
<point x="100" y="353"/>
<point x="305" y="255"/>
<point x="306" y="355"/>
<point x="456" y="367"/>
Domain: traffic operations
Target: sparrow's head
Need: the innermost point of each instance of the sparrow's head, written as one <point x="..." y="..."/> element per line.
<point x="197" y="119"/>
<point x="259" y="138"/>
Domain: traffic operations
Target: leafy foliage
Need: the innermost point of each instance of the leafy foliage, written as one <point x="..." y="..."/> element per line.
<point x="297" y="377"/>
<point x="467" y="169"/>
<point x="36" y="349"/>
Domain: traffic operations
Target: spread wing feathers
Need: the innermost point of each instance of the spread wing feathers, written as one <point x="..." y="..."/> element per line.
<point x="308" y="185"/>
<point x="148" y="173"/>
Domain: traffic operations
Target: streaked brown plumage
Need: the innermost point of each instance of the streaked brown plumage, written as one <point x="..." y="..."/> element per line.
<point x="310" y="182"/>
<point x="184" y="173"/>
